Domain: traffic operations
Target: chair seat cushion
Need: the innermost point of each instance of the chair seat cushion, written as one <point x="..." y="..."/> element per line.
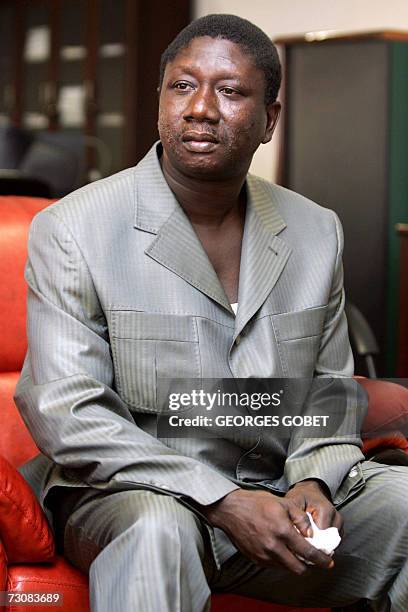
<point x="59" y="578"/>
<point x="24" y="530"/>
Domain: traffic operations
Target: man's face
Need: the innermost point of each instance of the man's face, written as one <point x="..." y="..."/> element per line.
<point x="212" y="114"/>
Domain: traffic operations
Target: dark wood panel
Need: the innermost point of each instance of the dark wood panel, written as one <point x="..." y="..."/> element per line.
<point x="336" y="143"/>
<point x="159" y="22"/>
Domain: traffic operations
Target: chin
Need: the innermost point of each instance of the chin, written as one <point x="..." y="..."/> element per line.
<point x="206" y="166"/>
<point x="208" y="171"/>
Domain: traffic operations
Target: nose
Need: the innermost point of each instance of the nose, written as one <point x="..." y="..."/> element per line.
<point x="202" y="106"/>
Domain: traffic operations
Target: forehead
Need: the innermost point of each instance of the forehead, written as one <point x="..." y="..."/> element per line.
<point x="215" y="56"/>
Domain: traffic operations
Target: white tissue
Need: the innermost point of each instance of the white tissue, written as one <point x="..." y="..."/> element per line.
<point x="326" y="540"/>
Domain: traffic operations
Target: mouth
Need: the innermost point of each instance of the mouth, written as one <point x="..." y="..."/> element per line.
<point x="199" y="142"/>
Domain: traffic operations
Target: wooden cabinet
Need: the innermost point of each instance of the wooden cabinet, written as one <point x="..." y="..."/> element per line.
<point x="87" y="68"/>
<point x="346" y="146"/>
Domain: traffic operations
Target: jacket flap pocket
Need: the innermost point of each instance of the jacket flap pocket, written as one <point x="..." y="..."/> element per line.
<point x="300" y="324"/>
<point x="130" y="324"/>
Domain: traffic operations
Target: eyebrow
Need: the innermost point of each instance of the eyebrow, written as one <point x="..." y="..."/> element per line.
<point x="190" y="70"/>
<point x="226" y="76"/>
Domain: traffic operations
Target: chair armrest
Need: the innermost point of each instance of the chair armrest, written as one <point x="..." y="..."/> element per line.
<point x="24" y="530"/>
<point x="386" y="423"/>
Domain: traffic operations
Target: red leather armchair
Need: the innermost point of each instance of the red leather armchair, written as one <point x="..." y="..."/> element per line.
<point x="28" y="563"/>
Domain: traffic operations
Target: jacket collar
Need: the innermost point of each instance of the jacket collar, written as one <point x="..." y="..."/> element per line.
<point x="154" y="199"/>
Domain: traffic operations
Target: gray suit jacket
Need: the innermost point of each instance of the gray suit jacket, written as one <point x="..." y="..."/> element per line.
<point x="121" y="293"/>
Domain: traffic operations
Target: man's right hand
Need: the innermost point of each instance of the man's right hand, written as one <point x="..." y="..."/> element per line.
<point x="262" y="527"/>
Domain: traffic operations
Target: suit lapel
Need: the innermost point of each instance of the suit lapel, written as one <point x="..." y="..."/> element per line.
<point x="176" y="245"/>
<point x="178" y="248"/>
<point x="263" y="255"/>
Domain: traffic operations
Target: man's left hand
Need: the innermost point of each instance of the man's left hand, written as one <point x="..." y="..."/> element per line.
<point x="310" y="496"/>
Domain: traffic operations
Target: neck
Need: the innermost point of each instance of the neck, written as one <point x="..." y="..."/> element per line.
<point x="206" y="202"/>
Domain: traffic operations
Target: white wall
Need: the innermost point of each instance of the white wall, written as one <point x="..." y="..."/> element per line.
<point x="283" y="17"/>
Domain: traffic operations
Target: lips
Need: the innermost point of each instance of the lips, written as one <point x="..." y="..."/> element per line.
<point x="199" y="142"/>
<point x="192" y="136"/>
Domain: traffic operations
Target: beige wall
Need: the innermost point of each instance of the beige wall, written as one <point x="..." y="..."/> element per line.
<point x="283" y="17"/>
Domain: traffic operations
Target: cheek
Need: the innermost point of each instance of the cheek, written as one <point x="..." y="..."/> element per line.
<point x="169" y="119"/>
<point x="162" y="117"/>
<point x="247" y="134"/>
<point x="245" y="123"/>
<point x="164" y="125"/>
<point x="256" y="133"/>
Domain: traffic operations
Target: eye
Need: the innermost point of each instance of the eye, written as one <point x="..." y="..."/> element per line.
<point x="182" y="86"/>
<point x="229" y="91"/>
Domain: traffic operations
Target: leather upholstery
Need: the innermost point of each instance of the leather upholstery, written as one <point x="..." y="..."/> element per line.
<point x="386" y="423"/>
<point x="3" y="568"/>
<point x="15" y="217"/>
<point x="60" y="577"/>
<point x="15" y="442"/>
<point x="24" y="530"/>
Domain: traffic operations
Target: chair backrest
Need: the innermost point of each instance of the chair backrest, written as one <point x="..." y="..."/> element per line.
<point x="14" y="143"/>
<point x="54" y="164"/>
<point x="16" y="214"/>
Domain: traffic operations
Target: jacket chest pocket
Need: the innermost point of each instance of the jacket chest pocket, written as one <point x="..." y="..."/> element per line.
<point x="298" y="335"/>
<point x="147" y="347"/>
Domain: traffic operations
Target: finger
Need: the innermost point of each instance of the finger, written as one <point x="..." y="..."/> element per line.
<point x="300" y="520"/>
<point x="280" y="554"/>
<point x="301" y="547"/>
<point x="338" y="522"/>
<point x="324" y="515"/>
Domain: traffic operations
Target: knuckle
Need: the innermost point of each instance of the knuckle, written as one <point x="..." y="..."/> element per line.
<point x="270" y="546"/>
<point x="282" y="532"/>
<point x="303" y="523"/>
<point x="284" y="527"/>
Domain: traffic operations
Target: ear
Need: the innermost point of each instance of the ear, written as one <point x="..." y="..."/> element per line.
<point x="272" y="115"/>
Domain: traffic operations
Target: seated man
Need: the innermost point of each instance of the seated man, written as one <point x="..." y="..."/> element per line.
<point x="136" y="278"/>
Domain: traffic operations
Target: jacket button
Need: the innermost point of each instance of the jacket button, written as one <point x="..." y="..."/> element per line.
<point x="254" y="456"/>
<point x="353" y="473"/>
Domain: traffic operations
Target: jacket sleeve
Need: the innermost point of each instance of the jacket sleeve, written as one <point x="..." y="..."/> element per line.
<point x="331" y="458"/>
<point x="66" y="391"/>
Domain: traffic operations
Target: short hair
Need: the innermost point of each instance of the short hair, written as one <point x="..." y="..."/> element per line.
<point x="237" y="30"/>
